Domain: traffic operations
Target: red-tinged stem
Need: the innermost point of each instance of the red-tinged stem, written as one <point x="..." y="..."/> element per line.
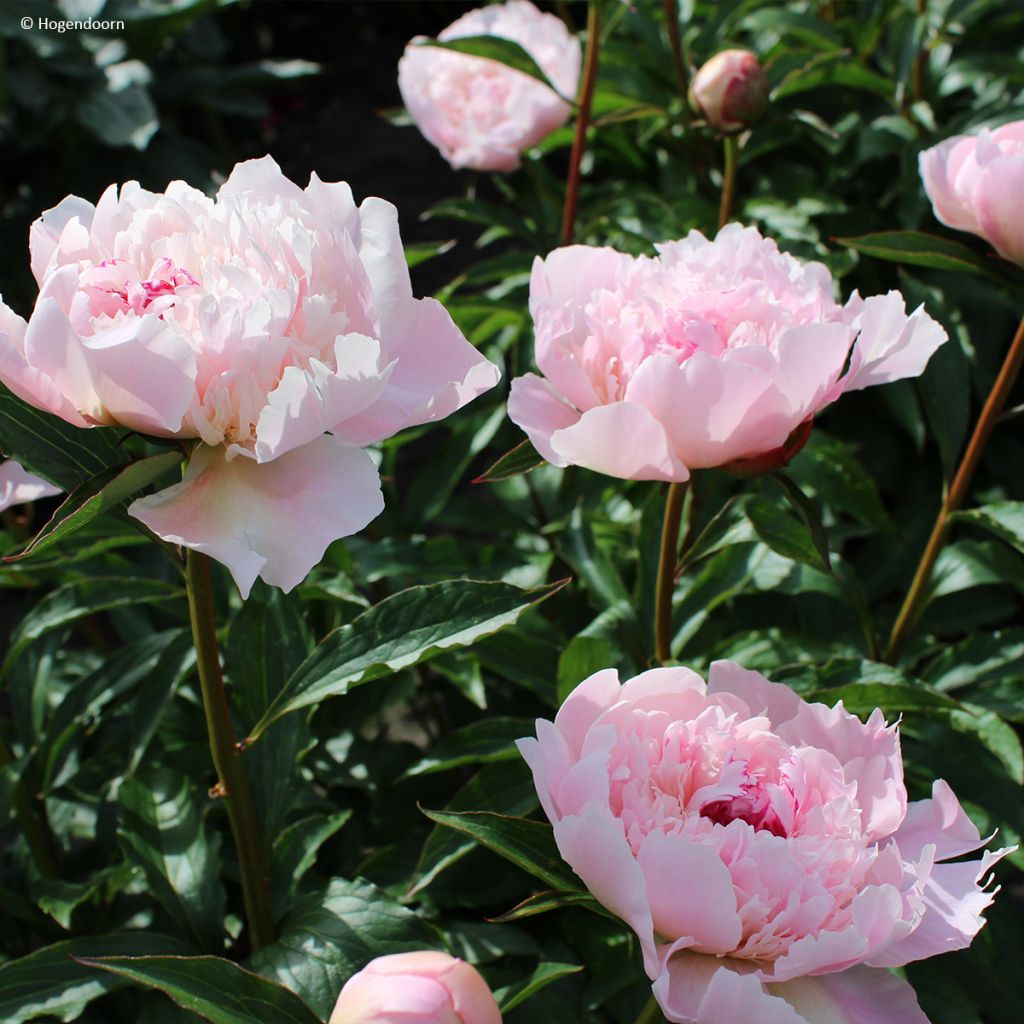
<point x="672" y="22"/>
<point x="232" y="784"/>
<point x="665" y="585"/>
<point x="579" y="140"/>
<point x="957" y="493"/>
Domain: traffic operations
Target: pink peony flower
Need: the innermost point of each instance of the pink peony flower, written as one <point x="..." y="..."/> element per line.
<point x="274" y="325"/>
<point x="975" y="183"/>
<point x="18" y="487"/>
<point x="708" y="353"/>
<point x="416" y="988"/>
<point x="730" y="90"/>
<point x="761" y="848"/>
<point x="481" y="113"/>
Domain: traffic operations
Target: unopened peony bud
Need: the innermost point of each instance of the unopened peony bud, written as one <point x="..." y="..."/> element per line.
<point x="731" y="91"/>
<point x="416" y="988"/>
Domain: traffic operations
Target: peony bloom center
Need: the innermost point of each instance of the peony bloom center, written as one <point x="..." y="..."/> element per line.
<point x="114" y="289"/>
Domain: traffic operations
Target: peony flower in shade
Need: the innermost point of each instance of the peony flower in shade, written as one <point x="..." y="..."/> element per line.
<point x="708" y="354"/>
<point x="275" y="326"/>
<point x="481" y="113"/>
<point x="18" y="487"/>
<point x="416" y="988"/>
<point x="731" y="91"/>
<point x="975" y="183"/>
<point x="762" y="848"/>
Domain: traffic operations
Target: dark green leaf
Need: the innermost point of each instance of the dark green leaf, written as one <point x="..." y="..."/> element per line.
<point x="218" y="990"/>
<point x="294" y="853"/>
<point x="1005" y="519"/>
<point x="807" y="513"/>
<point x="400" y="632"/>
<point x="583" y="656"/>
<point x="524" y="458"/>
<point x="863" y="698"/>
<point x="783" y="534"/>
<point x="49" y="982"/>
<point x="491" y="739"/>
<point x="97" y="495"/>
<point x="543" y="902"/>
<point x="922" y="250"/>
<point x="53" y="449"/>
<point x="161" y="830"/>
<point x="511" y="996"/>
<point x="332" y="935"/>
<point x="528" y="844"/>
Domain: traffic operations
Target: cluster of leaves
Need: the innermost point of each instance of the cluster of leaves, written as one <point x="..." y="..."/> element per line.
<point x="382" y="697"/>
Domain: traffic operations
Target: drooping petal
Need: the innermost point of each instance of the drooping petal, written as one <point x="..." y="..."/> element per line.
<point x="622" y="440"/>
<point x="696" y="989"/>
<point x="534" y="407"/>
<point x="273" y="520"/>
<point x="939" y="821"/>
<point x="860" y="995"/>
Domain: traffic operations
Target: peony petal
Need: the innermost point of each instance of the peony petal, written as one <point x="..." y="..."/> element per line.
<point x="810" y="359"/>
<point x="273" y="520"/>
<point x="594" y="846"/>
<point x="17" y="486"/>
<point x="307" y="403"/>
<point x="776" y="701"/>
<point x="534" y="406"/>
<point x="704" y="908"/>
<point x="261" y="179"/>
<point x="549" y="759"/>
<point x="939" y="821"/>
<point x="697" y="989"/>
<point x="890" y="345"/>
<point x="436" y="372"/>
<point x="997" y="198"/>
<point x="713" y="410"/>
<point x="954" y="897"/>
<point x="934" y="165"/>
<point x="46" y="232"/>
<point x="585" y="705"/>
<point x="860" y="995"/>
<point x="622" y="440"/>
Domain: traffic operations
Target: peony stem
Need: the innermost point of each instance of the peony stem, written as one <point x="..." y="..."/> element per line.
<point x="651" y="1013"/>
<point x="730" y="147"/>
<point x="672" y="22"/>
<point x="232" y="785"/>
<point x="579" y="139"/>
<point x="665" y="585"/>
<point x="957" y="493"/>
<point x="37" y="832"/>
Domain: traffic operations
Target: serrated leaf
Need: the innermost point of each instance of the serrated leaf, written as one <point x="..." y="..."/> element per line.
<point x="522" y="459"/>
<point x="497" y="48"/>
<point x="923" y="250"/>
<point x="218" y="990"/>
<point x="50" y="983"/>
<point x="402" y="631"/>
<point x="97" y="495"/>
<point x="528" y="844"/>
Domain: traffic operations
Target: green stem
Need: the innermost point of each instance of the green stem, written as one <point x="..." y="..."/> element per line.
<point x="665" y="585"/>
<point x="579" y="139"/>
<point x="37" y="830"/>
<point x="957" y="493"/>
<point x="731" y="148"/>
<point x="678" y="64"/>
<point x="651" y="1013"/>
<point x="232" y="785"/>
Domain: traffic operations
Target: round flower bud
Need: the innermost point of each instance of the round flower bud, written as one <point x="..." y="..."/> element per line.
<point x="731" y="91"/>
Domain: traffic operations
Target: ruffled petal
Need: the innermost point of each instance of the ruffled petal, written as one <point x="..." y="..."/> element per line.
<point x="273" y="520"/>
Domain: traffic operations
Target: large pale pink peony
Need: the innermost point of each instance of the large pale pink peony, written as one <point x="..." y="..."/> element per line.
<point x="975" y="183"/>
<point x="416" y="988"/>
<point x="761" y="847"/>
<point x="18" y="486"/>
<point x="481" y="113"/>
<point x="708" y="353"/>
<point x="273" y="325"/>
